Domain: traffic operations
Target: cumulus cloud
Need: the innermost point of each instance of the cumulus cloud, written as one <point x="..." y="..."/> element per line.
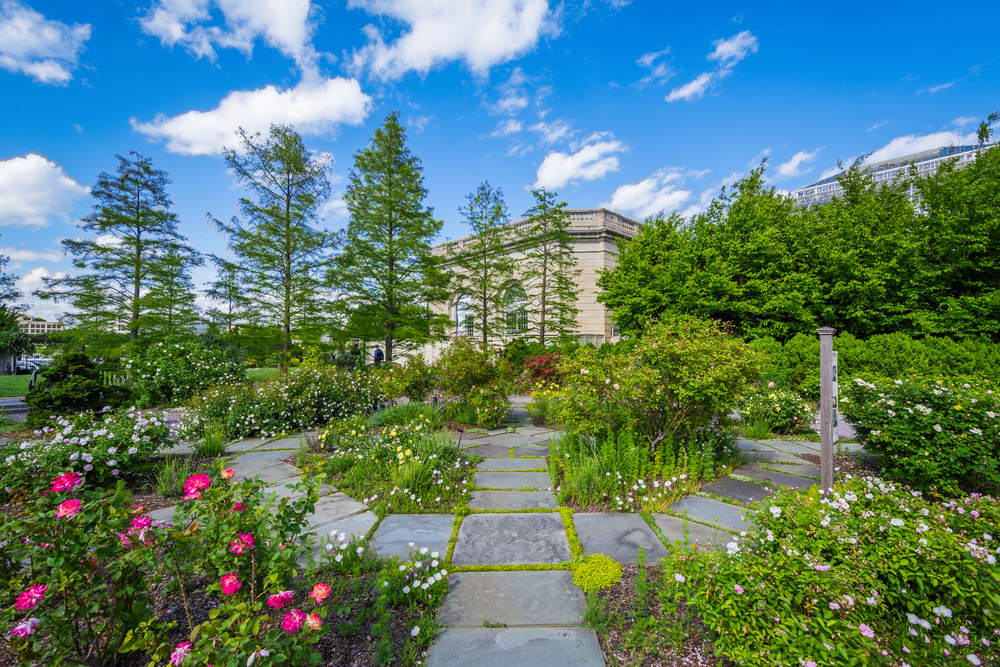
<point x="727" y="53"/>
<point x="26" y="255"/>
<point x="550" y="133"/>
<point x="832" y="171"/>
<point x="33" y="280"/>
<point x="592" y="160"/>
<point x="911" y="143"/>
<point x="506" y="128"/>
<point x="335" y="207"/>
<point x="796" y="166"/>
<point x="34" y="189"/>
<point x="45" y="50"/>
<point x="659" y="72"/>
<point x="482" y="33"/>
<point x="661" y="191"/>
<point x="314" y="108"/>
<point x="418" y="124"/>
<point x="285" y="25"/>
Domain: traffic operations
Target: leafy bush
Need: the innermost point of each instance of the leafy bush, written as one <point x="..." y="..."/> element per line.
<point x="874" y="574"/>
<point x="781" y="409"/>
<point x="543" y="368"/>
<point x="465" y="364"/>
<point x="463" y="413"/>
<point x="101" y="446"/>
<point x="597" y="571"/>
<point x="680" y="376"/>
<point x="937" y="435"/>
<point x="168" y="373"/>
<point x="293" y="401"/>
<point x="404" y="413"/>
<point x="415" y="380"/>
<point x="491" y="402"/>
<point x="72" y="384"/>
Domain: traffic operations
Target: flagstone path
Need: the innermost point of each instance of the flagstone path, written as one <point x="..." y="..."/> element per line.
<point x="531" y="617"/>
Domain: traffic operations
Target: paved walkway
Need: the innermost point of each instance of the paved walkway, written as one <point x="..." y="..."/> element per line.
<point x="531" y="618"/>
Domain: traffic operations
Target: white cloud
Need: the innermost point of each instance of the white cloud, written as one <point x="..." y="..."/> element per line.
<point x="934" y="89"/>
<point x="482" y="33"/>
<point x="284" y="24"/>
<point x="910" y="143"/>
<point x="506" y="128"/>
<point x="30" y="44"/>
<point x="32" y="280"/>
<point x="766" y="152"/>
<point x="659" y="71"/>
<point x="550" y="133"/>
<point x="335" y="207"/>
<point x="730" y="51"/>
<point x="692" y="90"/>
<point x="962" y="121"/>
<point x="313" y="108"/>
<point x="794" y="167"/>
<point x="661" y="191"/>
<point x="832" y="171"/>
<point x="877" y="125"/>
<point x="594" y="160"/>
<point x="418" y="124"/>
<point x="34" y="189"/>
<point x="25" y="255"/>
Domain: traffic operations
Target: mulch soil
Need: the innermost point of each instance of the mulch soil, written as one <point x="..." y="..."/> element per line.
<point x="858" y="465"/>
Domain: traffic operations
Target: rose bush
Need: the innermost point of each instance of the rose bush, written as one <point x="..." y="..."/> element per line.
<point x="782" y="409"/>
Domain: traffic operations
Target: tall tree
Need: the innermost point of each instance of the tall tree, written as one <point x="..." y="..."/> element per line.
<point x="548" y="269"/>
<point x="486" y="264"/>
<point x="135" y="229"/>
<point x="12" y="340"/>
<point x="281" y="254"/>
<point x="8" y="286"/>
<point x="227" y="290"/>
<point x="171" y="297"/>
<point x="386" y="273"/>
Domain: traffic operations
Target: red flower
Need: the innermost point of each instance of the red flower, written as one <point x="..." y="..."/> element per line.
<point x="66" y="482"/>
<point x="314" y="621"/>
<point x="194" y="485"/>
<point x="243" y="542"/>
<point x="231" y="583"/>
<point x="228" y="473"/>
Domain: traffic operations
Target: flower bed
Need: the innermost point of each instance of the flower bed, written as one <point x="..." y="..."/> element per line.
<point x="782" y="410"/>
<point x="172" y="372"/>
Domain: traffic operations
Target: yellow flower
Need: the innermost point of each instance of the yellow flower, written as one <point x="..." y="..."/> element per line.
<point x="409" y="453"/>
<point x="399" y="449"/>
<point x="399" y="456"/>
<point x="958" y="407"/>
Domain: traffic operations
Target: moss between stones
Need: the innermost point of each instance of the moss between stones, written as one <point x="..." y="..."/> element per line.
<point x="459" y="515"/>
<point x="510" y="568"/>
<point x="597" y="571"/>
<point x="651" y="522"/>
<point x="527" y="510"/>
<point x="575" y="548"/>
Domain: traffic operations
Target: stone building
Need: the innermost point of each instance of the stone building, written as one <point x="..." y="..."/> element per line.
<point x="595" y="233"/>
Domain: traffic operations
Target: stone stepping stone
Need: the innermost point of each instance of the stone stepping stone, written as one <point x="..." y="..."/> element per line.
<point x="511" y="465"/>
<point x="508" y="440"/>
<point x="165" y="514"/>
<point x="394" y="534"/>
<point x="772" y="456"/>
<point x="532" y="450"/>
<point x="738" y="490"/>
<point x="523" y="647"/>
<point x="246" y="445"/>
<point x="511" y="598"/>
<point x="355" y="526"/>
<point x="511" y="539"/>
<point x="488" y="451"/>
<point x="788" y="447"/>
<point x="280" y="489"/>
<point x="512" y="480"/>
<point x="775" y="478"/>
<point x="270" y="471"/>
<point x="257" y="456"/>
<point x="333" y="507"/>
<point x="673" y="530"/>
<point x="714" y="512"/>
<point x="805" y="470"/>
<point x="512" y="500"/>
<point x="619" y="537"/>
<point x="286" y="443"/>
<point x="535" y="430"/>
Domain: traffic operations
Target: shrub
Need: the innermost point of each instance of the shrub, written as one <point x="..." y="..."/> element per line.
<point x="465" y="364"/>
<point x="874" y="574"/>
<point x="782" y="410"/>
<point x="101" y="446"/>
<point x="404" y="413"/>
<point x="415" y="380"/>
<point x="597" y="571"/>
<point x="72" y="384"/>
<point x="168" y="373"/>
<point x="491" y="402"/>
<point x="543" y="369"/>
<point x="292" y="401"/>
<point x="212" y="443"/>
<point x="936" y="435"/>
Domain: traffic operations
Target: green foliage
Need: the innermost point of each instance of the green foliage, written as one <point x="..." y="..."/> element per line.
<point x="13" y="341"/>
<point x="597" y="571"/>
<point x="72" y="384"/>
<point x="415" y="380"/>
<point x="873" y="574"/>
<point x="937" y="435"/>
<point x="386" y="273"/>
<point x="465" y="364"/>
<point x="171" y="475"/>
<point x="405" y="413"/>
<point x="294" y="401"/>
<point x="212" y="443"/>
<point x="460" y="412"/>
<point x="781" y="410"/>
<point x="172" y="371"/>
<point x="491" y="402"/>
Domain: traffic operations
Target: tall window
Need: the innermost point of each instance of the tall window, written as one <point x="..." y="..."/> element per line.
<point x="516" y="311"/>
<point x="464" y="319"/>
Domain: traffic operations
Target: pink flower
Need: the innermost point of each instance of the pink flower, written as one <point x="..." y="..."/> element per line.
<point x="244" y="542"/>
<point x="68" y="508"/>
<point x="194" y="486"/>
<point x="66" y="482"/>
<point x="25" y="628"/>
<point x="866" y="631"/>
<point x="31" y="597"/>
<point x="280" y="599"/>
<point x="231" y="583"/>
<point x="738" y="589"/>
<point x="141" y="522"/>
<point x="320" y="592"/>
<point x="228" y="473"/>
<point x="181" y="652"/>
<point x="314" y="621"/>
<point x="293" y="621"/>
<point x="238" y="507"/>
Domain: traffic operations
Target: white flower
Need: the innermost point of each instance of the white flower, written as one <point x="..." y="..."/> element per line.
<point x="679" y="578"/>
<point x="415" y="631"/>
<point x="937" y="427"/>
<point x="896" y="522"/>
<point x="361" y="550"/>
<point x="434" y="554"/>
<point x="339" y="557"/>
<point x="942" y="611"/>
<point x="434" y="563"/>
<point x="133" y="450"/>
<point x="418" y="565"/>
<point x="973" y="658"/>
<point x="444" y="573"/>
<point x="425" y="585"/>
<point x="423" y="551"/>
<point x="776" y="511"/>
<point x="975" y="431"/>
<point x="406" y="589"/>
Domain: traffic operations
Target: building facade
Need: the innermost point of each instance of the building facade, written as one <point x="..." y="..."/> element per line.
<point x="35" y="327"/>
<point x="926" y="162"/>
<point x="595" y="233"/>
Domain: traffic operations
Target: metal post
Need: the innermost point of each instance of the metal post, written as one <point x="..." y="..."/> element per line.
<point x="825" y="413"/>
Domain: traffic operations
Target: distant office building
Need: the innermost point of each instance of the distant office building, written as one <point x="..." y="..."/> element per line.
<point x="34" y="326"/>
<point x="927" y="162"/>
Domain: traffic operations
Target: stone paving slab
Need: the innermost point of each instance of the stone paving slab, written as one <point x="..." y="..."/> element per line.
<point x="516" y="647"/>
<point x="511" y="539"/>
<point x="356" y="526"/>
<point x="715" y="512"/>
<point x="705" y="536"/>
<point x="511" y="598"/>
<point x="619" y="537"/>
<point x="488" y="451"/>
<point x="532" y="450"/>
<point x="772" y="456"/>
<point x="394" y="534"/>
<point x="165" y="514"/>
<point x="513" y="480"/>
<point x="512" y="500"/>
<point x="535" y="430"/>
<point x="775" y="478"/>
<point x="246" y="445"/>
<point x="509" y="440"/>
<point x="806" y="470"/>
<point x="270" y="472"/>
<point x="333" y="507"/>
<point x="280" y="489"/>
<point x="285" y="443"/>
<point x="792" y="447"/>
<point x="738" y="490"/>
<point x="511" y="465"/>
<point x="256" y="456"/>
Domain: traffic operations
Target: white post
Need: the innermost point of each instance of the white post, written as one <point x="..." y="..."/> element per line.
<point x="826" y="415"/>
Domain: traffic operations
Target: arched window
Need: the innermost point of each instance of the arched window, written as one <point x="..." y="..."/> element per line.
<point x="464" y="317"/>
<point x="516" y="310"/>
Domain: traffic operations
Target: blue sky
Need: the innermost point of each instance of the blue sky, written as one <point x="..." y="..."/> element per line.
<point x="638" y="106"/>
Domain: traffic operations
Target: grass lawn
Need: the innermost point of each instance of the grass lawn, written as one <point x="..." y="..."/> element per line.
<point x="261" y="374"/>
<point x="13" y="385"/>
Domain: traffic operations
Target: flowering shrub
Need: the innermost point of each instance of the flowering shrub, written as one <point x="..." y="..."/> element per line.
<point x="872" y="574"/>
<point x="102" y="446"/>
<point x="294" y="401"/>
<point x="782" y="409"/>
<point x="72" y="384"/>
<point x="465" y="364"/>
<point x="168" y="373"/>
<point x="935" y="434"/>
<point x="491" y="402"/>
<point x="415" y="379"/>
<point x="543" y="368"/>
